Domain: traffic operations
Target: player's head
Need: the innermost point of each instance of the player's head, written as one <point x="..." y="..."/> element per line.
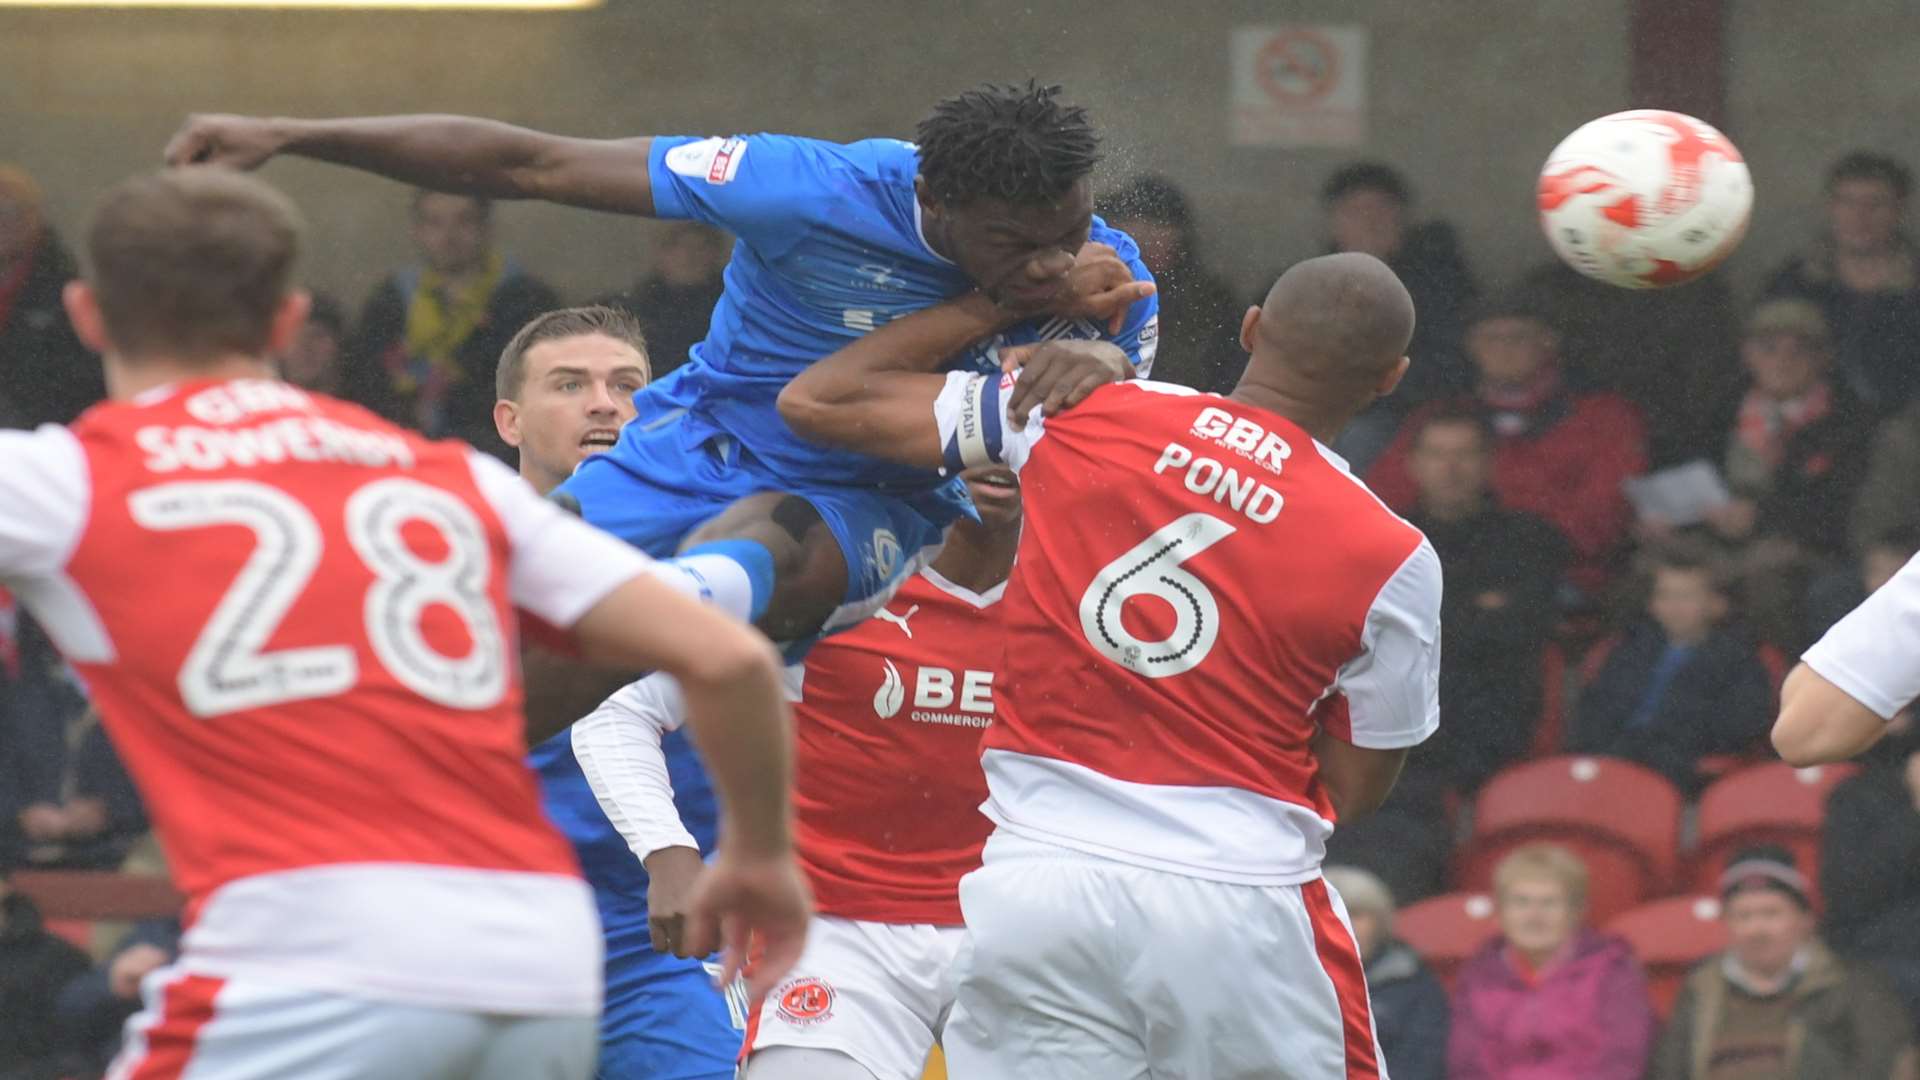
<point x="190" y="268"/>
<point x="453" y="232"/>
<point x="1004" y="187"/>
<point x="565" y="385"/>
<point x="1331" y="337"/>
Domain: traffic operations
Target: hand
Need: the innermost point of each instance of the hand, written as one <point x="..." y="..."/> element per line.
<point x="43" y="823"/>
<point x="758" y="908"/>
<point x="1058" y="375"/>
<point x="671" y="876"/>
<point x="1734" y="519"/>
<point x="1100" y="287"/>
<point x="1651" y="528"/>
<point x="132" y="965"/>
<point x="236" y="142"/>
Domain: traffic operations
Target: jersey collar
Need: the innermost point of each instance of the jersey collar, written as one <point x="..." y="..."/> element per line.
<point x="977" y="599"/>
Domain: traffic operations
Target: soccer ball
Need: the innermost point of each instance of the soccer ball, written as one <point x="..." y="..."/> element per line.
<point x="1645" y="199"/>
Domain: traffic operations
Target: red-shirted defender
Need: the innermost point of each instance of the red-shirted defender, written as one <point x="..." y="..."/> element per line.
<point x="1217" y="640"/>
<point x="299" y="623"/>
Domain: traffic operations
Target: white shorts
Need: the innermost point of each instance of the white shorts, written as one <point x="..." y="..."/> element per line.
<point x="198" y="1027"/>
<point x="1083" y="968"/>
<point x="877" y="992"/>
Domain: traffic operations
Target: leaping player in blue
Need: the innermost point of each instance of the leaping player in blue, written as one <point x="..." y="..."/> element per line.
<point x="833" y="240"/>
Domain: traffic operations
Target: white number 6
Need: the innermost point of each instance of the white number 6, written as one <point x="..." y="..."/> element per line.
<point x="1152" y="568"/>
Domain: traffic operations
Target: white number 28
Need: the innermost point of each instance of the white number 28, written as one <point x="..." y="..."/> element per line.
<point x="228" y="668"/>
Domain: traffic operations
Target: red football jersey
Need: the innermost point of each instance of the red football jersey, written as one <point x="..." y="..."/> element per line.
<point x="298" y="624"/>
<point x="887" y="754"/>
<point x="1200" y="588"/>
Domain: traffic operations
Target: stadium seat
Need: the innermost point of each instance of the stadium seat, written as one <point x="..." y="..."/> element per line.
<point x="1770" y="803"/>
<point x="1670" y="936"/>
<point x="97" y="894"/>
<point x="1623" y="820"/>
<point x="76" y="932"/>
<point x="1446" y="930"/>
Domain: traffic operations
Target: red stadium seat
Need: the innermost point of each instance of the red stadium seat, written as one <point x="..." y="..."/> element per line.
<point x="1770" y="803"/>
<point x="1551" y="730"/>
<point x="76" y="932"/>
<point x="1670" y="936"/>
<point x="1623" y="820"/>
<point x="1446" y="930"/>
<point x="98" y="894"/>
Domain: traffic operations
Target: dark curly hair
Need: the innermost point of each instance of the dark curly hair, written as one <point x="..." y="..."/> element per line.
<point x="1020" y="144"/>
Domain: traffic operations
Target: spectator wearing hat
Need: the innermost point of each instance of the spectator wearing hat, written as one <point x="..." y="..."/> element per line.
<point x="1559" y="454"/>
<point x="1864" y="273"/>
<point x="46" y="375"/>
<point x="1777" y="1003"/>
<point x="1368" y="205"/>
<point x="1409" y="1004"/>
<point x="1199" y="318"/>
<point x="1796" y="450"/>
<point x="1550" y="998"/>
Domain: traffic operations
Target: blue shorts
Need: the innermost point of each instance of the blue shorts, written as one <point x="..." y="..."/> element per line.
<point x="664" y="1020"/>
<point x="672" y="472"/>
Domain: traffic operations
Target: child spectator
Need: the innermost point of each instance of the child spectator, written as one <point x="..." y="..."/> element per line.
<point x="1681" y="684"/>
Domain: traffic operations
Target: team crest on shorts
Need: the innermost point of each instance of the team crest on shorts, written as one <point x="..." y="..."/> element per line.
<point x="805" y="1002"/>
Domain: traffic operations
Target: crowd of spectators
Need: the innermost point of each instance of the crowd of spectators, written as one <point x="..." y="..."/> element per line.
<point x="1582" y="614"/>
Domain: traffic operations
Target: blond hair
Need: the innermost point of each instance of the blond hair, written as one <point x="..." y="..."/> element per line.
<point x="1543" y="862"/>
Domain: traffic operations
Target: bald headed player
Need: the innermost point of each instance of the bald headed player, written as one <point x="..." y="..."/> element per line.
<point x="1218" y="642"/>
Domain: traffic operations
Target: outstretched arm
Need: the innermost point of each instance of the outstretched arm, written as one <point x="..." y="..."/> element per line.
<point x="458" y="154"/>
<point x="876" y="396"/>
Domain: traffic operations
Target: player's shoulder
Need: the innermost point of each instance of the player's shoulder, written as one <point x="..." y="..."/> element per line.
<point x="1122" y="244"/>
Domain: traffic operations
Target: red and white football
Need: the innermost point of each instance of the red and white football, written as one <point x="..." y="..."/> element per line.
<point x="1645" y="199"/>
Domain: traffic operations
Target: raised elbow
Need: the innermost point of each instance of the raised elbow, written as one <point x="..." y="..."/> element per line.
<point x="1797" y="741"/>
<point x="803" y="410"/>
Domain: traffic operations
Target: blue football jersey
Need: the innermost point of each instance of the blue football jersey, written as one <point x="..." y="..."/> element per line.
<point x="829" y="247"/>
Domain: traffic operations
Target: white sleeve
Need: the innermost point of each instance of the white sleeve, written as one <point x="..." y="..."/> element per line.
<point x="618" y="748"/>
<point x="974" y="426"/>
<point x="561" y="566"/>
<point x="1392" y="689"/>
<point x="44" y="495"/>
<point x="1874" y="653"/>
